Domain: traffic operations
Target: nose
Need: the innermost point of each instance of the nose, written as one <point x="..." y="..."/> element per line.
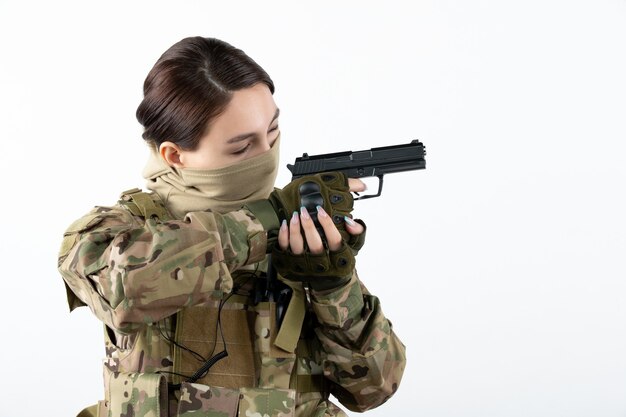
<point x="266" y="143"/>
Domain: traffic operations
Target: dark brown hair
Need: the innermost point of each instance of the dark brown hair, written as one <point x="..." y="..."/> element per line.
<point x="190" y="84"/>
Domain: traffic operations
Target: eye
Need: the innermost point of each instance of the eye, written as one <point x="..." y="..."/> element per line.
<point x="275" y="128"/>
<point x="242" y="150"/>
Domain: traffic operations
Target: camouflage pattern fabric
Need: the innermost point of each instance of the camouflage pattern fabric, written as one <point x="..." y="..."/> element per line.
<point x="360" y="353"/>
<point x="259" y="402"/>
<point x="198" y="400"/>
<point x="139" y="394"/>
<point x="136" y="274"/>
<point x="131" y="272"/>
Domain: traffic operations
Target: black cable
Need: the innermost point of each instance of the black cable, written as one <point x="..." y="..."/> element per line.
<point x="198" y="356"/>
<point x="204" y="369"/>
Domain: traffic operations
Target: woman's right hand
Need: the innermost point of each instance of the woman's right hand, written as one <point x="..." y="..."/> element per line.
<point x="331" y="190"/>
<point x="301" y="254"/>
<point x="301" y="228"/>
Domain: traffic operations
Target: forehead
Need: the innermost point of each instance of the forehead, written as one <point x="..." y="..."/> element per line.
<point x="249" y="110"/>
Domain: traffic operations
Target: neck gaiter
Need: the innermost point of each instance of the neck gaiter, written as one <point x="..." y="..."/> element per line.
<point x="222" y="190"/>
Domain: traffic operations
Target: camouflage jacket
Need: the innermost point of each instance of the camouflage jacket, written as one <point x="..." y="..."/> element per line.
<point x="158" y="287"/>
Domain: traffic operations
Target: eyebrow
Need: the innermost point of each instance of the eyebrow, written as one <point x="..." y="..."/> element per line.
<point x="245" y="136"/>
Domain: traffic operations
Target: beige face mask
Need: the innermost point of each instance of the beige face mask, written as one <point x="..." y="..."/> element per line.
<point x="222" y="190"/>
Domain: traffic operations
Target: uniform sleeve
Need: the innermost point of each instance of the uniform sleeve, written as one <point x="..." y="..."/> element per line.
<point x="130" y="272"/>
<point x="362" y="356"/>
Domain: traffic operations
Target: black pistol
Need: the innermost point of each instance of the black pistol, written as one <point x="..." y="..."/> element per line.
<point x="375" y="162"/>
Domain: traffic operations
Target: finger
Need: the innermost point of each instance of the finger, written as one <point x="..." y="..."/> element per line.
<point x="283" y="236"/>
<point x="295" y="237"/>
<point x="356" y="184"/>
<point x="353" y="227"/>
<point x="333" y="237"/>
<point x="313" y="238"/>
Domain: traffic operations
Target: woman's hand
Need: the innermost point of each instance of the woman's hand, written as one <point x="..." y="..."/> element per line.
<point x="291" y="236"/>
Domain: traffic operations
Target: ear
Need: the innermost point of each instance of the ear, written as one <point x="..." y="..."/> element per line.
<point x="170" y="152"/>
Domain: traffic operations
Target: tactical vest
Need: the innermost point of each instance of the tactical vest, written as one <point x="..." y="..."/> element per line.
<point x="271" y="368"/>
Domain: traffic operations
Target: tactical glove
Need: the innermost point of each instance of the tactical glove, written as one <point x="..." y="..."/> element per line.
<point x="329" y="190"/>
<point x="324" y="271"/>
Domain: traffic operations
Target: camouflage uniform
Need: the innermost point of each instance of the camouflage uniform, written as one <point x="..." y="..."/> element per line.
<point x="157" y="285"/>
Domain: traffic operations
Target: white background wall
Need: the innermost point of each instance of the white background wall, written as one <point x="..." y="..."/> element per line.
<point x="501" y="265"/>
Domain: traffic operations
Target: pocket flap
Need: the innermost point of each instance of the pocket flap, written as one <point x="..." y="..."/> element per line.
<point x="138" y="394"/>
<point x="199" y="400"/>
<point x="267" y="402"/>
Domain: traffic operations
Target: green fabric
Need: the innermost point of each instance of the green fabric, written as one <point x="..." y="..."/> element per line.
<point x="356" y="242"/>
<point x="291" y="327"/>
<point x="322" y="271"/>
<point x="147" y="206"/>
<point x="329" y="190"/>
<point x="143" y="204"/>
<point x="264" y="212"/>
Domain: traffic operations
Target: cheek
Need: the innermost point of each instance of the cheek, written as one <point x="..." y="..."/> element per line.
<point x="203" y="159"/>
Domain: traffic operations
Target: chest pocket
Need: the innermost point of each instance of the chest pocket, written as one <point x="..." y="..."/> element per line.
<point x="198" y="338"/>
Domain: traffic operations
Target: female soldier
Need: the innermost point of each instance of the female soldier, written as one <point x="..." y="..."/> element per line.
<point x="197" y="322"/>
